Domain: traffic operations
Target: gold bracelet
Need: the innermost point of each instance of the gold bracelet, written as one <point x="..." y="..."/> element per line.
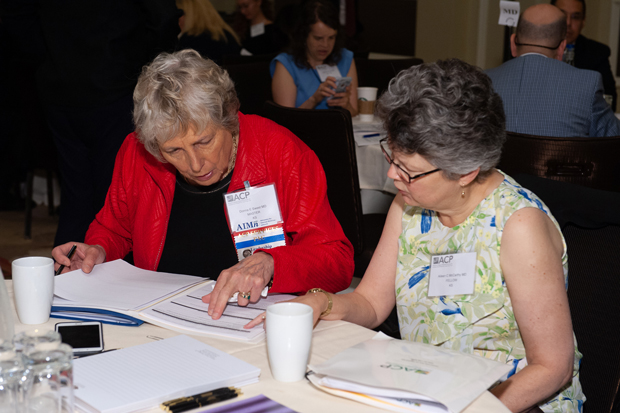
<point x="330" y="302"/>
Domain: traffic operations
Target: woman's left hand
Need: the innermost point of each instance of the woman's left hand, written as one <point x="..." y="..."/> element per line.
<point x="251" y="276"/>
<point x="341" y="99"/>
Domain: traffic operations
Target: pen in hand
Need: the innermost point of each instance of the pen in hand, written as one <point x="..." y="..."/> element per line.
<point x="69" y="255"/>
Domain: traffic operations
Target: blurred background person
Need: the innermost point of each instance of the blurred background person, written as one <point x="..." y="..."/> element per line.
<point x="317" y="41"/>
<point x="253" y="22"/>
<point x="584" y="53"/>
<point x="93" y="52"/>
<point x="204" y="30"/>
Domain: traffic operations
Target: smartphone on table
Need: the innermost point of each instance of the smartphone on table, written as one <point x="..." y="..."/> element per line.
<point x="86" y="337"/>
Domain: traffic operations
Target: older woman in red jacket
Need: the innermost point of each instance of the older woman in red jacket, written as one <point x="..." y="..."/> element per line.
<point x="166" y="201"/>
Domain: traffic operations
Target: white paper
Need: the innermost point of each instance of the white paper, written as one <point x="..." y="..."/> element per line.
<point x="405" y="369"/>
<point x="509" y="13"/>
<point x="253" y="208"/>
<point x="325" y="71"/>
<point x="117" y="285"/>
<point x="452" y="274"/>
<point x="368" y="133"/>
<point x="143" y="376"/>
<point x="188" y="311"/>
<point x="257" y="29"/>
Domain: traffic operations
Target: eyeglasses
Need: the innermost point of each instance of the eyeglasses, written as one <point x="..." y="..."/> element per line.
<point x="404" y="175"/>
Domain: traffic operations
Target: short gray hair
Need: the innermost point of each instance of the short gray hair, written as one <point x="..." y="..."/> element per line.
<point x="448" y="113"/>
<point x="182" y="91"/>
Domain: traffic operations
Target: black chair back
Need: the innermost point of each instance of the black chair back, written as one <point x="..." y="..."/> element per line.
<point x="592" y="233"/>
<point x="252" y="83"/>
<point x="329" y="133"/>
<point x="378" y="73"/>
<point x="591" y="162"/>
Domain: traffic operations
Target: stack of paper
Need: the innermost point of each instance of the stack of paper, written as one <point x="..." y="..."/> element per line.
<point x="404" y="376"/>
<point x="142" y="377"/>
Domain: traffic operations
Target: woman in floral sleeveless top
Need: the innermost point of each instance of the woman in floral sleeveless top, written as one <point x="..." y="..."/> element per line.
<point x="446" y="130"/>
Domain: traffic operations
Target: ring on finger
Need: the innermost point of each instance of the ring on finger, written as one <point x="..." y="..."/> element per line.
<point x="244" y="295"/>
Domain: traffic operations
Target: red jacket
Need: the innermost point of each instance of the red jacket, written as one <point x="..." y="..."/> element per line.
<point x="137" y="208"/>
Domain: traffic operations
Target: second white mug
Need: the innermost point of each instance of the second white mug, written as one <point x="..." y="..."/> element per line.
<point x="289" y="335"/>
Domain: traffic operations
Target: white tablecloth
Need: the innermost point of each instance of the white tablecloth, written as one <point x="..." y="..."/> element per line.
<point x="329" y="338"/>
<point x="377" y="189"/>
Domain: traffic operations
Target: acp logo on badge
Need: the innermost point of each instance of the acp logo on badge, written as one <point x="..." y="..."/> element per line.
<point x="444" y="259"/>
<point x="238" y="196"/>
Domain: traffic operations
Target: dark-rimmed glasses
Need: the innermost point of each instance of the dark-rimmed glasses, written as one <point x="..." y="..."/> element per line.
<point x="404" y="175"/>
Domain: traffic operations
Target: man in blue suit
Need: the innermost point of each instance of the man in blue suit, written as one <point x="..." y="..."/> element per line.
<point x="543" y="95"/>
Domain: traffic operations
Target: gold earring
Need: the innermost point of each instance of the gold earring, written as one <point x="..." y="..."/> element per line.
<point x="462" y="191"/>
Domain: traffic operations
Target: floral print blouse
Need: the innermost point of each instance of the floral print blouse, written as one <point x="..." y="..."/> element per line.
<point x="482" y="323"/>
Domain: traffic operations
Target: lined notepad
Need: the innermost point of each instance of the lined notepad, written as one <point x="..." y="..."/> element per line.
<point x="144" y="376"/>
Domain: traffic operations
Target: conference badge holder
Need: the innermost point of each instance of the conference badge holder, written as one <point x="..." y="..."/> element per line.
<point x="255" y="219"/>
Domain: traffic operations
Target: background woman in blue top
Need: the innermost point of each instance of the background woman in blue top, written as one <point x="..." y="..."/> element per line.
<point x="318" y="40"/>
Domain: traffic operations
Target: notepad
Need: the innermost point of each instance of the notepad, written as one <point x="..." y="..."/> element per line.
<point x="142" y="377"/>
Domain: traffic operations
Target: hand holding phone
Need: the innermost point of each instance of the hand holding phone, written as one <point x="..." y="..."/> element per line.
<point x="341" y="85"/>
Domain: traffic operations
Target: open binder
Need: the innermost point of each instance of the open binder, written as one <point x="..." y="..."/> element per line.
<point x="404" y="376"/>
<point x="118" y="293"/>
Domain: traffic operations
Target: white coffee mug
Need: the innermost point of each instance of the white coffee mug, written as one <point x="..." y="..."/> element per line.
<point x="289" y="334"/>
<point x="33" y="284"/>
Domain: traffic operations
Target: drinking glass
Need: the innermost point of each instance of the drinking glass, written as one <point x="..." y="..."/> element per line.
<point x="14" y="379"/>
<point x="37" y="338"/>
<point x="52" y="379"/>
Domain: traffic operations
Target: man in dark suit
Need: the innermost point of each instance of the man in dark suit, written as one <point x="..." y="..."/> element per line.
<point x="541" y="94"/>
<point x="589" y="54"/>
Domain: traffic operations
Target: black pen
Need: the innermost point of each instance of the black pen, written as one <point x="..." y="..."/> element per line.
<point x="202" y="402"/>
<point x="210" y="396"/>
<point x="69" y="255"/>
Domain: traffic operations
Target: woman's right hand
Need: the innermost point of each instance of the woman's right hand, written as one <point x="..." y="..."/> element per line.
<point x="84" y="258"/>
<point x="325" y="89"/>
<point x="317" y="301"/>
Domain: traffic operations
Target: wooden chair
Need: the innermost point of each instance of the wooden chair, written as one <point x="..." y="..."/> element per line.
<point x="378" y="73"/>
<point x="591" y="227"/>
<point x="591" y="162"/>
<point x="252" y="83"/>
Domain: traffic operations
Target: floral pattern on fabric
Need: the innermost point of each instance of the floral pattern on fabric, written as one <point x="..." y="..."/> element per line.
<point x="482" y="323"/>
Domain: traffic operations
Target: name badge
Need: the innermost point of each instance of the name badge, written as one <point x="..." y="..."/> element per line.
<point x="452" y="274"/>
<point x="252" y="208"/>
<point x="255" y="219"/>
<point x="257" y="29"/>
<point x="325" y="71"/>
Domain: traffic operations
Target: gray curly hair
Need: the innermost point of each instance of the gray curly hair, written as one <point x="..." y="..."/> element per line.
<point x="182" y="91"/>
<point x="448" y="113"/>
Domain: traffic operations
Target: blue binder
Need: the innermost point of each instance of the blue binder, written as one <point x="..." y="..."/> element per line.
<point x="95" y="314"/>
